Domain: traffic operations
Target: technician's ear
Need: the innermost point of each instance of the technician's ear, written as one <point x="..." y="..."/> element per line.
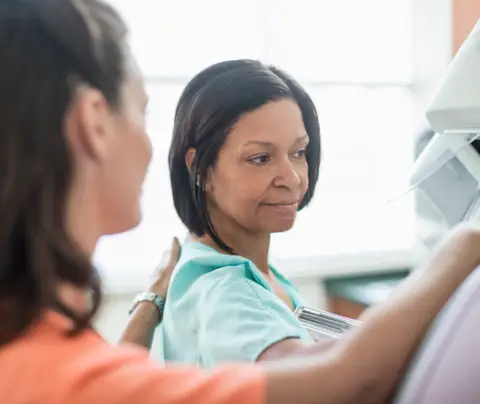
<point x="90" y="124"/>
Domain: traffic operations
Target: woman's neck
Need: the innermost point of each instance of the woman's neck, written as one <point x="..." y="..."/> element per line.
<point x="83" y="225"/>
<point x="74" y="298"/>
<point x="254" y="248"/>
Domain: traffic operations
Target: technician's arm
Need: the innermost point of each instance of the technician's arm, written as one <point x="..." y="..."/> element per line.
<point x="367" y="364"/>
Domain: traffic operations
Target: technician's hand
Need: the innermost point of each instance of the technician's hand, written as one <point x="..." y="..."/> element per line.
<point x="146" y="317"/>
<point x="163" y="272"/>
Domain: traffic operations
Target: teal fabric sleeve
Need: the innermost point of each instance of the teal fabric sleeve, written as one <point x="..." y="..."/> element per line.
<point x="221" y="309"/>
<point x="238" y="319"/>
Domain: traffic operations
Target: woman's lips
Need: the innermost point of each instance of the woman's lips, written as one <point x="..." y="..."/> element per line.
<point x="285" y="206"/>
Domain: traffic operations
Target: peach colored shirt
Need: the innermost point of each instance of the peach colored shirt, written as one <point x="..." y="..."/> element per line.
<point x="47" y="367"/>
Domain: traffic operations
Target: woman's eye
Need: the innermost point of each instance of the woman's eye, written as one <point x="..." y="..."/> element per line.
<point x="259" y="160"/>
<point x="300" y="153"/>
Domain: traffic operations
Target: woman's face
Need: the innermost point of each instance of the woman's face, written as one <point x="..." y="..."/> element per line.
<point x="112" y="152"/>
<point x="130" y="155"/>
<point x="261" y="174"/>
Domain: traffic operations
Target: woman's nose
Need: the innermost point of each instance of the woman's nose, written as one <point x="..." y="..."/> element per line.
<point x="287" y="175"/>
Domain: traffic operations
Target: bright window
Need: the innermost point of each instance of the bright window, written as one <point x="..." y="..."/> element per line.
<point x="342" y="40"/>
<point x="179" y="38"/>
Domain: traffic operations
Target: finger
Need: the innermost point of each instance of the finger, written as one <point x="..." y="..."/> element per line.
<point x="174" y="252"/>
<point x="164" y="261"/>
<point x="169" y="258"/>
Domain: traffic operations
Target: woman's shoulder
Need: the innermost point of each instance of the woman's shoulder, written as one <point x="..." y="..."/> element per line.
<point x="200" y="264"/>
<point x="54" y="357"/>
<point x="202" y="268"/>
<point x="198" y="254"/>
<point x="85" y="369"/>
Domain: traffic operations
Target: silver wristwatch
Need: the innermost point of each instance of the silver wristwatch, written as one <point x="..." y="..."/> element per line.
<point x="151" y="297"/>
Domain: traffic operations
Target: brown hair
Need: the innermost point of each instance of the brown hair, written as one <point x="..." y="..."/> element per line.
<point x="47" y="48"/>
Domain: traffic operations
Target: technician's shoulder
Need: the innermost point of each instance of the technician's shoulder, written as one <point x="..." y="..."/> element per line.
<point x="49" y="367"/>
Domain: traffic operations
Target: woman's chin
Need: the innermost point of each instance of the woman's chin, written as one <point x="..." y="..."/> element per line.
<point x="135" y="220"/>
<point x="281" y="226"/>
<point x="126" y="224"/>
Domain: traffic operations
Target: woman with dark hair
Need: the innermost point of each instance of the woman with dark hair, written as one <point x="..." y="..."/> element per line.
<point x="73" y="157"/>
<point x="244" y="158"/>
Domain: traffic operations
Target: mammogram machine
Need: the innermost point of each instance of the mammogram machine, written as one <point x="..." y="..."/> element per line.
<point x="446" y="178"/>
<point x="446" y="175"/>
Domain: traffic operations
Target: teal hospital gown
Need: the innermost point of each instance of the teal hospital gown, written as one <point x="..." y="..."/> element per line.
<point x="220" y="309"/>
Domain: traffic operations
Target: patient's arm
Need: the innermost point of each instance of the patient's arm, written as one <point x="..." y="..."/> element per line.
<point x="366" y="365"/>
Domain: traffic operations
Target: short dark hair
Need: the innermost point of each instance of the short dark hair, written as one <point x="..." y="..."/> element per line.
<point x="209" y="106"/>
<point x="48" y="47"/>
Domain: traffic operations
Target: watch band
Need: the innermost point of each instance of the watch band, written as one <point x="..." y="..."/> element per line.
<point x="151" y="297"/>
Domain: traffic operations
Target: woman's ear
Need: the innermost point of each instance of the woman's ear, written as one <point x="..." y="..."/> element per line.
<point x="208" y="187"/>
<point x="189" y="156"/>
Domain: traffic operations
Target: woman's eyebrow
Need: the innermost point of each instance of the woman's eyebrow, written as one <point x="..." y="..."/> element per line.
<point x="259" y="142"/>
<point x="271" y="144"/>
<point x="304" y="136"/>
